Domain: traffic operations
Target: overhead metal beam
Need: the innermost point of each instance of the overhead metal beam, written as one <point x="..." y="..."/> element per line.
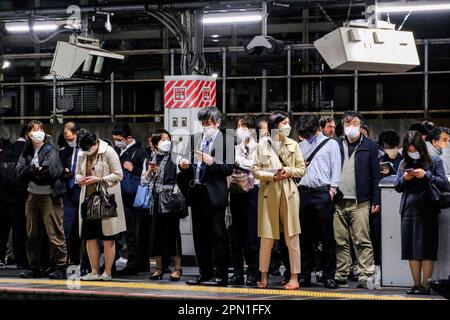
<point x="174" y="5"/>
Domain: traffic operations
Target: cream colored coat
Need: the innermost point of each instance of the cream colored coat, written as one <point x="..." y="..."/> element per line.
<point x="106" y="166"/>
<point x="270" y="191"/>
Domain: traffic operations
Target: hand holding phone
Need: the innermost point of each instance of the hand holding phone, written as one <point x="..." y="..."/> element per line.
<point x="409" y="174"/>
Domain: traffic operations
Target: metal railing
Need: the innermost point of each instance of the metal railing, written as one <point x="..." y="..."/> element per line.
<point x="224" y="78"/>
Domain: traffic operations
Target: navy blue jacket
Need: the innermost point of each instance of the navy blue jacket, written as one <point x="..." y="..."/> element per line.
<point x="435" y="173"/>
<point x="367" y="170"/>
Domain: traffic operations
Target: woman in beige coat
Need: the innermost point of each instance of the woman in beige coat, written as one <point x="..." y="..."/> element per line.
<point x="278" y="198"/>
<point x="98" y="163"/>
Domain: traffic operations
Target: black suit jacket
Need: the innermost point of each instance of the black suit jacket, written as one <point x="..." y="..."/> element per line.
<point x="215" y="175"/>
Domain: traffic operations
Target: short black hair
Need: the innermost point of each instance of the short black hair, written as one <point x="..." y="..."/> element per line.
<point x="428" y="125"/>
<point x="275" y="118"/>
<point x="23" y="132"/>
<point x="390" y="138"/>
<point x="157" y="135"/>
<point x="324" y="120"/>
<point x="418" y="126"/>
<point x="209" y="113"/>
<point x="248" y="120"/>
<point x="434" y="134"/>
<point x="348" y="115"/>
<point x="263" y="118"/>
<point x="365" y="127"/>
<point x="86" y="139"/>
<point x="307" y="125"/>
<point x="122" y="129"/>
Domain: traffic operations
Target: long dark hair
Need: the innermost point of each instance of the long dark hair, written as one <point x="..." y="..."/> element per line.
<point x="275" y="118"/>
<point x="29" y="145"/>
<point x="414" y="138"/>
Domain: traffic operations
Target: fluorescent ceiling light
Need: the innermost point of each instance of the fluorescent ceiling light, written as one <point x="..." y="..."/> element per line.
<point x="23" y="26"/>
<point x="6" y="64"/>
<point x="232" y="17"/>
<point x="215" y="36"/>
<point x="214" y="75"/>
<point x="413" y="8"/>
<point x="215" y="40"/>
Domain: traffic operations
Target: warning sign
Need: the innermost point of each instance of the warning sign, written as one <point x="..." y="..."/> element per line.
<point x="180" y="94"/>
<point x="206" y="94"/>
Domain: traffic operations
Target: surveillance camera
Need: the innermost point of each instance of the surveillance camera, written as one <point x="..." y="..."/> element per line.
<point x="259" y="44"/>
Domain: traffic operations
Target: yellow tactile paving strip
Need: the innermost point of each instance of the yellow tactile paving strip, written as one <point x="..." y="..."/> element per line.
<point x="201" y="289"/>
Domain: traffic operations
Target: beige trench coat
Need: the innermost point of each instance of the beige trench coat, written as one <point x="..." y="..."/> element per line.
<point x="106" y="166"/>
<point x="270" y="191"/>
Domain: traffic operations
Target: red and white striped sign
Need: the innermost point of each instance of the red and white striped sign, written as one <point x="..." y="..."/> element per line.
<point x="189" y="92"/>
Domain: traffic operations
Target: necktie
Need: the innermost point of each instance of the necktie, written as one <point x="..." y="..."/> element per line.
<point x="72" y="169"/>
<point x="201" y="165"/>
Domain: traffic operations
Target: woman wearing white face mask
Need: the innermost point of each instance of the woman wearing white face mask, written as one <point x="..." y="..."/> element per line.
<point x="160" y="173"/>
<point x="244" y="208"/>
<point x="419" y="219"/>
<point x="278" y="160"/>
<point x="99" y="166"/>
<point x="40" y="167"/>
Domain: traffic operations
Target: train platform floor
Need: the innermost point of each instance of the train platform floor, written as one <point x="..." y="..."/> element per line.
<point x="140" y="287"/>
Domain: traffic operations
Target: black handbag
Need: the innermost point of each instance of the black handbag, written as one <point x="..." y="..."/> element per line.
<point x="100" y="205"/>
<point x="172" y="202"/>
<point x="440" y="199"/>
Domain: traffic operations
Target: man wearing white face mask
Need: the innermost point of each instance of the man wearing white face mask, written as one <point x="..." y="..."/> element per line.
<point x="203" y="181"/>
<point x="438" y="146"/>
<point x="132" y="156"/>
<point x="69" y="157"/>
<point x="359" y="184"/>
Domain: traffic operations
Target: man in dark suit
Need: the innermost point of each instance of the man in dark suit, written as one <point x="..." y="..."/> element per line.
<point x="203" y="180"/>
<point x="68" y="156"/>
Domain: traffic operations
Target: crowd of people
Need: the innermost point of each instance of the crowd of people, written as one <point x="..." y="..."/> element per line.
<point x="313" y="205"/>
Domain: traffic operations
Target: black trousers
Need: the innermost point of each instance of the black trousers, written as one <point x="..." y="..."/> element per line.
<point x="13" y="216"/>
<point x="243" y="231"/>
<point x="210" y="235"/>
<point x="71" y="228"/>
<point x="375" y="236"/>
<point x="136" y="236"/>
<point x="316" y="219"/>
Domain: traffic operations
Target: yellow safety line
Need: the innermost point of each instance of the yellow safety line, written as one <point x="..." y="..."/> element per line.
<point x="154" y="286"/>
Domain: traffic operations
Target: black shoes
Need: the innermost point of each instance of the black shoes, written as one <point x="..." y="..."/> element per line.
<point x="216" y="282"/>
<point x="176" y="275"/>
<point x="58" y="274"/>
<point x="31" y="273"/>
<point x="157" y="275"/>
<point x="251" y="281"/>
<point x="237" y="280"/>
<point x="305" y="282"/>
<point x="418" y="290"/>
<point x="197" y="281"/>
<point x="330" y="284"/>
<point x="441" y="286"/>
